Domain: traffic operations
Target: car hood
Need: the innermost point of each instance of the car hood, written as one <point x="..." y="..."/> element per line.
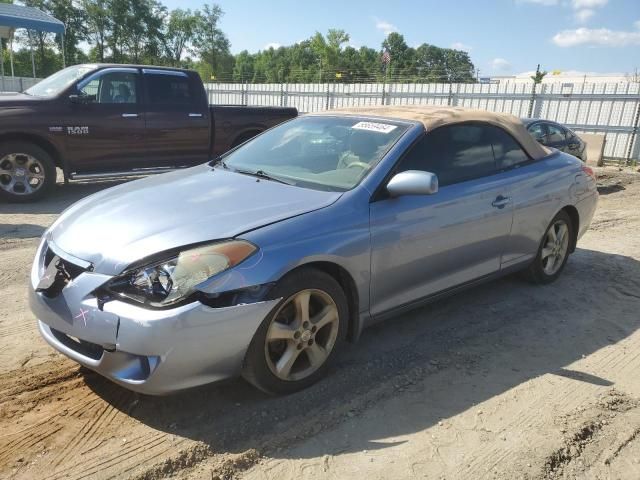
<point x="121" y="225"/>
<point x="14" y="99"/>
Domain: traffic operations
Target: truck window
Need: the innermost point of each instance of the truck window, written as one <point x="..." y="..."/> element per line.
<point x="112" y="87"/>
<point x="169" y="89"/>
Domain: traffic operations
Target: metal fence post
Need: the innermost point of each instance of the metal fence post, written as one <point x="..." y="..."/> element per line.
<point x="454" y="96"/>
<point x="538" y="101"/>
<point x="326" y="107"/>
<point x="634" y="134"/>
<point x="281" y="94"/>
<point x="532" y="100"/>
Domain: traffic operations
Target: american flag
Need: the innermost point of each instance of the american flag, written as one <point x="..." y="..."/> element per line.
<point x="386" y="57"/>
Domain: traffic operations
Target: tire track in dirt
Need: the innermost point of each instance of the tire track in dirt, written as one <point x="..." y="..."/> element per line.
<point x="58" y="421"/>
<point x="145" y="449"/>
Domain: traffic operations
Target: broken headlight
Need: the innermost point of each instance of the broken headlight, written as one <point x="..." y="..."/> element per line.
<point x="173" y="280"/>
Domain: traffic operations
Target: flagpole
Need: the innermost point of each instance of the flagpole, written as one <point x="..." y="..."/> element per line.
<point x="386" y="59"/>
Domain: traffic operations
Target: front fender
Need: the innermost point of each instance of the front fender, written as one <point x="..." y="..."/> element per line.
<point x="337" y="234"/>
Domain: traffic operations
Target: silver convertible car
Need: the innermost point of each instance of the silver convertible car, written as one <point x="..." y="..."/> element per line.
<point x="264" y="261"/>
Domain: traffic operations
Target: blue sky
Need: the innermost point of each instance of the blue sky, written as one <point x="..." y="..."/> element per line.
<point x="503" y="37"/>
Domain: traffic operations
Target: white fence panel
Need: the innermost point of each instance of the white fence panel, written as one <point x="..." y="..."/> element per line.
<point x="16" y="84"/>
<point x="612" y="109"/>
<point x="607" y="108"/>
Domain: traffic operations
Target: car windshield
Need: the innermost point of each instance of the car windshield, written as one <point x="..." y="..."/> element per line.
<point x="56" y="83"/>
<point x="320" y="152"/>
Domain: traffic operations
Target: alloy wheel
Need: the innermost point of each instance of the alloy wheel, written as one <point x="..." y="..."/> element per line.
<point x="21" y="174"/>
<point x="302" y="335"/>
<point x="555" y="248"/>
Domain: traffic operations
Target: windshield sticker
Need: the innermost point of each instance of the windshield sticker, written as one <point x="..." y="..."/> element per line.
<point x="375" y="127"/>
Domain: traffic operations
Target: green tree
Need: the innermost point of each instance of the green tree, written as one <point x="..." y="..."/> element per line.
<point x="179" y="33"/>
<point x="539" y="76"/>
<point x="75" y="23"/>
<point x="209" y="41"/>
<point x="142" y="34"/>
<point x="328" y="51"/>
<point x="400" y="53"/>
<point x="98" y="25"/>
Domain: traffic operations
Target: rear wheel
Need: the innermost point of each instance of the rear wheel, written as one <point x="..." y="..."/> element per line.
<point x="296" y="342"/>
<point x="553" y="252"/>
<point x="27" y="172"/>
<point x="243" y="138"/>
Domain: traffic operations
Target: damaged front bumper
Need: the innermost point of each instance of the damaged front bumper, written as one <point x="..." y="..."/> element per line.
<point x="148" y="351"/>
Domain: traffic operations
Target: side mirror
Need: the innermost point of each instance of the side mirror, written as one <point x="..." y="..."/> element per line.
<point x="413" y="182"/>
<point x="79" y="99"/>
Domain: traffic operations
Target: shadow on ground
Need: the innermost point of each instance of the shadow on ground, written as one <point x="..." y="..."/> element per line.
<point x="61" y="197"/>
<point x="487" y="340"/>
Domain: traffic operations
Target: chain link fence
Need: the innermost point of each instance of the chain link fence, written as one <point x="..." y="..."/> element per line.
<point x="608" y="109"/>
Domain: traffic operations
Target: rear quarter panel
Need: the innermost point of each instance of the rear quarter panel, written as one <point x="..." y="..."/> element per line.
<point x="232" y="122"/>
<point x="539" y="191"/>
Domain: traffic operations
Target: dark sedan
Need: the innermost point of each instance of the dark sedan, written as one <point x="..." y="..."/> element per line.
<point x="552" y="134"/>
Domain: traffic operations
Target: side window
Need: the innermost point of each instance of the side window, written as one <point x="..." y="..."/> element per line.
<point x="537" y="131"/>
<point x="455" y="154"/>
<point x="111" y="87"/>
<point x="169" y="89"/>
<point x="506" y="150"/>
<point x="556" y="134"/>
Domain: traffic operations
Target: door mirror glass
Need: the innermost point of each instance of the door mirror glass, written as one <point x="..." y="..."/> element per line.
<point x="413" y="182"/>
<point x="79" y="99"/>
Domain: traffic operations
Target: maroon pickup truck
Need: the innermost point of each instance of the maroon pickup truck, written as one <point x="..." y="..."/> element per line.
<point x="101" y="121"/>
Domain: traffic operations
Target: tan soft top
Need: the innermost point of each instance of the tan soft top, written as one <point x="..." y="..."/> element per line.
<point x="436" y="116"/>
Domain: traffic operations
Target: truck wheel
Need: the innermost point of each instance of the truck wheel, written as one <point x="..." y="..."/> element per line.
<point x="243" y="138"/>
<point x="27" y="172"/>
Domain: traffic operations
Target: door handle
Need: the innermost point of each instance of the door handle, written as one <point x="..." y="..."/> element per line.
<point x="195" y="115"/>
<point x="501" y="201"/>
<point x="129" y="115"/>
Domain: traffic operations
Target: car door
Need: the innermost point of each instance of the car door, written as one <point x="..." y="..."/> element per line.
<point x="425" y="244"/>
<point x="536" y="186"/>
<point x="177" y="118"/>
<point x="104" y="126"/>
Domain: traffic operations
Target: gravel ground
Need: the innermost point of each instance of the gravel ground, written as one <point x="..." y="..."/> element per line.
<point x="506" y="380"/>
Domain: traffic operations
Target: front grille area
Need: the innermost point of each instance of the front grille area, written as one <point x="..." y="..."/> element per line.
<point x="58" y="272"/>
<point x="88" y="349"/>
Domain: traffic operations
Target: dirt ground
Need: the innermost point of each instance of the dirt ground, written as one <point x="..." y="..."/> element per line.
<point x="507" y="380"/>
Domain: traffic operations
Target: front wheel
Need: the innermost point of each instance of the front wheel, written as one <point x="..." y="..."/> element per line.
<point x="27" y="172"/>
<point x="296" y="342"/>
<point x="553" y="251"/>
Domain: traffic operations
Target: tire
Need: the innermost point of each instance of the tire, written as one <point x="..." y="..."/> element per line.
<point x="27" y="172"/>
<point x="310" y="349"/>
<point x="540" y="271"/>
